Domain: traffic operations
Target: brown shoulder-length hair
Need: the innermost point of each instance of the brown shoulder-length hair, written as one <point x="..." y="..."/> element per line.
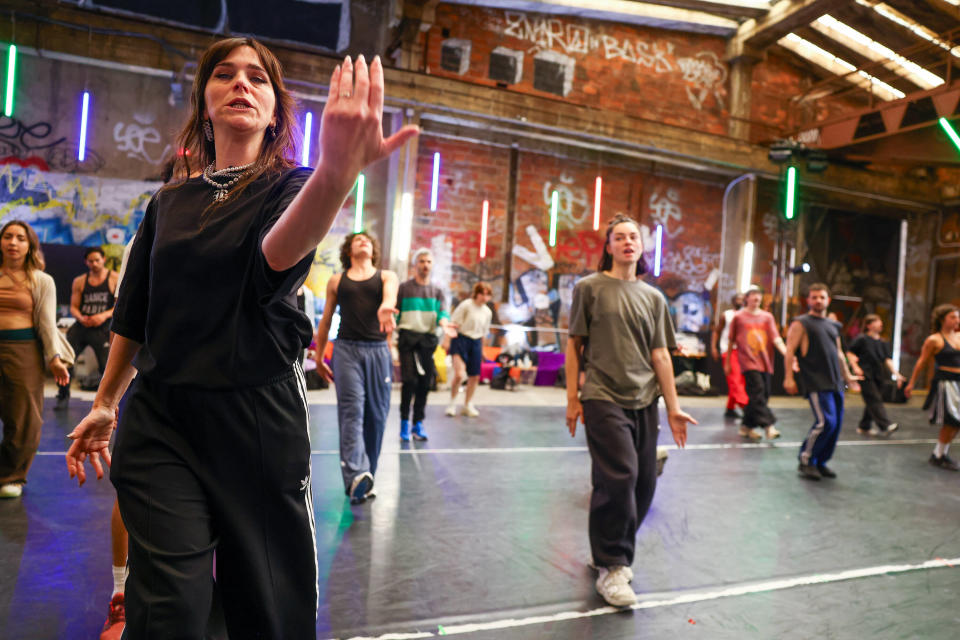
<point x="939" y="313"/>
<point x="481" y="288"/>
<point x="345" y="249"/>
<point x="606" y="259"/>
<point x="195" y="152"/>
<point x="34" y="260"/>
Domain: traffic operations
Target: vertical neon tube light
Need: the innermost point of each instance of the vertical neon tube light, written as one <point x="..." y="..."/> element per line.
<point x="791" y="192"/>
<point x="598" y="190"/>
<point x="358" y="216"/>
<point x="659" y="252"/>
<point x="11" y="76"/>
<point x="746" y="270"/>
<point x="554" y="203"/>
<point x="307" y="134"/>
<point x="436" y="181"/>
<point x="483" y="229"/>
<point x="82" y="148"/>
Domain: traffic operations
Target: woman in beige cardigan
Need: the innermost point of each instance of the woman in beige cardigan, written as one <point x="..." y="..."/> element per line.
<point x="28" y="339"/>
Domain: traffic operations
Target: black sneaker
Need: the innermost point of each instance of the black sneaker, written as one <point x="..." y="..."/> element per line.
<point x="732" y="414"/>
<point x="826" y="472"/>
<point x="809" y="471"/>
<point x="944" y="462"/>
<point x="63" y="403"/>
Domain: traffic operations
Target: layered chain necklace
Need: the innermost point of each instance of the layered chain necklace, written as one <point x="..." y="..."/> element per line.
<point x="232" y="176"/>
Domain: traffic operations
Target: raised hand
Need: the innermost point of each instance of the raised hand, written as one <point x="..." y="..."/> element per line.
<point x="351" y="129"/>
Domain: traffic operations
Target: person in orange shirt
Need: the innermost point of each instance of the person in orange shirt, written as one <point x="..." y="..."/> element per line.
<point x="755" y="335"/>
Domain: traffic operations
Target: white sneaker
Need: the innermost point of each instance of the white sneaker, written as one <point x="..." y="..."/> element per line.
<point x="451" y="410"/>
<point x="470" y="411"/>
<point x="12" y="490"/>
<point x="613" y="585"/>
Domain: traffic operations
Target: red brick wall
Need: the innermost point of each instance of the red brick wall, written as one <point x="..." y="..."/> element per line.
<point x="775" y="84"/>
<point x="690" y="212"/>
<point x="667" y="76"/>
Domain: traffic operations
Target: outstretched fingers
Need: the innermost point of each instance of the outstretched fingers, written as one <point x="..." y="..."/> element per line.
<point x="375" y="99"/>
<point x="362" y="81"/>
<point x="334" y="94"/>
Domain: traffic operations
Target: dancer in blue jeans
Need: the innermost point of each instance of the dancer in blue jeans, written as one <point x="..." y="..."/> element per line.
<point x="823" y="371"/>
<point x="362" y="366"/>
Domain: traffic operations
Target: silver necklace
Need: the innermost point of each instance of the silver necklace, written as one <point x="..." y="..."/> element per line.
<point x="222" y="189"/>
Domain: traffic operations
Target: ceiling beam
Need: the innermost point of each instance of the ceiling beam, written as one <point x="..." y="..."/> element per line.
<point x="755" y="35"/>
<point x="623" y="11"/>
<point x="737" y="9"/>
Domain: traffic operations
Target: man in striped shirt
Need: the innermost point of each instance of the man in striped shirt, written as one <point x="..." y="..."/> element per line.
<point x="422" y="310"/>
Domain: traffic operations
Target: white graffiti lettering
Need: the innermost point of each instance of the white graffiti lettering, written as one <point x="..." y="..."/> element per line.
<point x="664" y="208"/>
<point x="704" y="73"/>
<point x="133" y="138"/>
<point x="706" y="76"/>
<point x="573" y="202"/>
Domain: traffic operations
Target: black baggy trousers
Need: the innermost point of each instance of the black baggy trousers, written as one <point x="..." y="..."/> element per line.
<point x="198" y="471"/>
<point x="757" y="412"/>
<point x="623" y="452"/>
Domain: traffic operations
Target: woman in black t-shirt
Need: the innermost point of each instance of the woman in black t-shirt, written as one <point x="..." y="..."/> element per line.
<point x="213" y="452"/>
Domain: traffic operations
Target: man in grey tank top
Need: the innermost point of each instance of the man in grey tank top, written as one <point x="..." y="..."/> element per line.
<point x="823" y="371"/>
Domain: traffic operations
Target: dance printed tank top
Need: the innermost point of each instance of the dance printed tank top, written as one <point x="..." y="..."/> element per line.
<point x="96" y="298"/>
<point x="359" y="301"/>
<point x="948" y="356"/>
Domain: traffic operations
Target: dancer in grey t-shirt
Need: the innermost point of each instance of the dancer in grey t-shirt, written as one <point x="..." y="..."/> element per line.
<point x="621" y="337"/>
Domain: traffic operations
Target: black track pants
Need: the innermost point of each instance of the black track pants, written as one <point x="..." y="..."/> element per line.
<point x="228" y="470"/>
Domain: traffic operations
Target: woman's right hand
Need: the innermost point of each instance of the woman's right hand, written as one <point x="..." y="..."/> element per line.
<point x="324" y="370"/>
<point x="91" y="440"/>
<point x="907" y="390"/>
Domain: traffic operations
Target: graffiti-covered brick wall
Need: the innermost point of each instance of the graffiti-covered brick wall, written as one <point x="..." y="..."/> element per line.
<point x="542" y="277"/>
<point x="469" y="174"/>
<point x="668" y="76"/>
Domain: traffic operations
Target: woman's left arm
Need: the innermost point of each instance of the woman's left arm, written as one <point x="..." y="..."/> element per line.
<point x="351" y="137"/>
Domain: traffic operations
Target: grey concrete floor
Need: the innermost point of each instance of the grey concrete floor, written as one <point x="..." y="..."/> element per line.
<point x="485" y="525"/>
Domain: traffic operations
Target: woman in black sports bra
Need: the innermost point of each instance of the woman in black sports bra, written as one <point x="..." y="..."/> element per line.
<point x="943" y="401"/>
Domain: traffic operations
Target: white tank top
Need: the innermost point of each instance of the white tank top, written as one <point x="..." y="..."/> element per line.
<point x="725" y="334"/>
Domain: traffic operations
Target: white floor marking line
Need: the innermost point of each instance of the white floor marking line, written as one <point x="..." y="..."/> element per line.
<point x="652" y="601"/>
<point x="775" y="444"/>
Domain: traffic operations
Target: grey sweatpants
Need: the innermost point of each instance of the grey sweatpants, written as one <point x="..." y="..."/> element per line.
<point x="363" y="375"/>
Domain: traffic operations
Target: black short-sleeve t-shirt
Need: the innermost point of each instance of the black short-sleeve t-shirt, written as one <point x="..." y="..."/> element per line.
<point x="872" y="353"/>
<point x="198" y="294"/>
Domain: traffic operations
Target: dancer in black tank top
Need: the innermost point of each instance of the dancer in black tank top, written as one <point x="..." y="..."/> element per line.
<point x="362" y="367"/>
<point x="943" y="401"/>
<point x="91" y="302"/>
<point x="823" y="371"/>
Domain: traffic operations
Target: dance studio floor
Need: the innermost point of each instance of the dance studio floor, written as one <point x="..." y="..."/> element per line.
<point x="482" y="533"/>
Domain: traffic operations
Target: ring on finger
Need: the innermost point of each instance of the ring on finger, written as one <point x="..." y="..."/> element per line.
<point x="345" y="94"/>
